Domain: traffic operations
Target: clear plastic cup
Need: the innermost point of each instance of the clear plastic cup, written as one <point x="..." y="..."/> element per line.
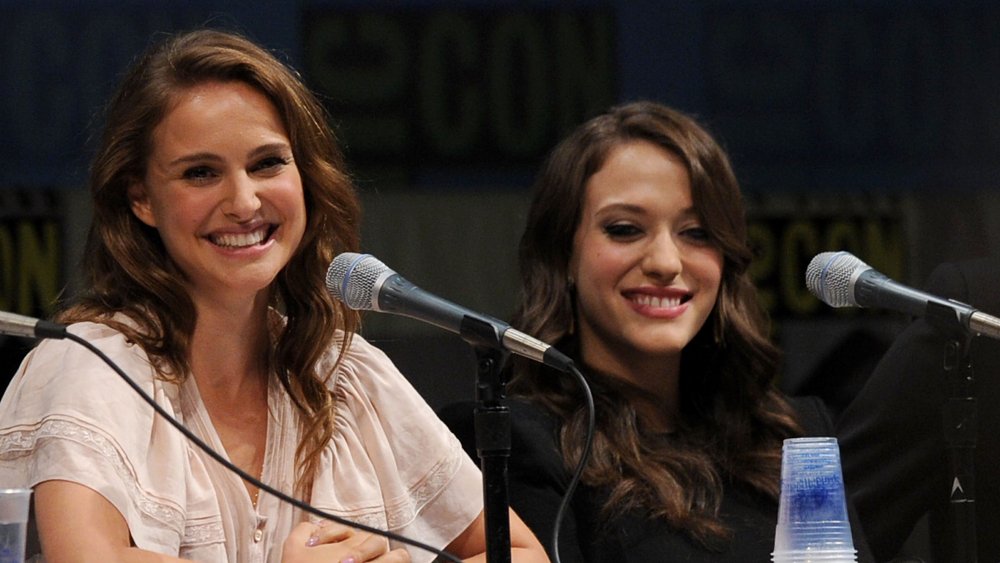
<point x="812" y="511"/>
<point x="14" y="505"/>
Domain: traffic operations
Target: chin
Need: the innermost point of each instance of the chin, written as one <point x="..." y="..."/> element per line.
<point x="659" y="348"/>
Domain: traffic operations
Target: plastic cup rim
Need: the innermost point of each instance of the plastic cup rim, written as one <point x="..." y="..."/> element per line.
<point x="809" y="556"/>
<point x="816" y="551"/>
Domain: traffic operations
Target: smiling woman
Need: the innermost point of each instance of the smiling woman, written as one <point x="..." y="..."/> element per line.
<point x="634" y="262"/>
<point x="220" y="198"/>
<point x="645" y="272"/>
<point x="223" y="190"/>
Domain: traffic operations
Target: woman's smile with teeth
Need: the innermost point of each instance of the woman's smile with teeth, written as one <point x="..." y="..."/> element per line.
<point x="657" y="302"/>
<point x="240" y="240"/>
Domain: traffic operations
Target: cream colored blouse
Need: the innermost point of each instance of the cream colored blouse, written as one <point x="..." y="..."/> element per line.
<point x="391" y="463"/>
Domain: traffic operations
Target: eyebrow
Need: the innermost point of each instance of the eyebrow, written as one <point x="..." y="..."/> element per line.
<point x="269" y="148"/>
<point x="197" y="157"/>
<point x="688" y="211"/>
<point x="207" y="156"/>
<point x="618" y="206"/>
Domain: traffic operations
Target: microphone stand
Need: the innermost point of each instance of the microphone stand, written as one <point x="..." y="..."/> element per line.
<point x="959" y="419"/>
<point x="492" y="423"/>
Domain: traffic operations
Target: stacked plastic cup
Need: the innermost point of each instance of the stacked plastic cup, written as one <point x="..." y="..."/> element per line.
<point x="14" y="507"/>
<point x="812" y="511"/>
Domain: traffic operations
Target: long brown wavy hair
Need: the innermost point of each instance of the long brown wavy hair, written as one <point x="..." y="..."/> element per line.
<point x="127" y="268"/>
<point x="733" y="419"/>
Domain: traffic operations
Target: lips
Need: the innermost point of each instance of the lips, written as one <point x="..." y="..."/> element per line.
<point x="659" y="302"/>
<point x="242" y="240"/>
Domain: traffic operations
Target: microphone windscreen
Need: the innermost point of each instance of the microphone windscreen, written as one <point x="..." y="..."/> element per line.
<point x="351" y="278"/>
<point x="830" y="277"/>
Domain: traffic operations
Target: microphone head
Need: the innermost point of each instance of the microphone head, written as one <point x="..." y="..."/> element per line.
<point x="830" y="276"/>
<point x="352" y="279"/>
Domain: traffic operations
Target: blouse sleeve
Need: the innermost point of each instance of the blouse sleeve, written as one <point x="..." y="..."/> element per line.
<point x="392" y="463"/>
<point x="66" y="415"/>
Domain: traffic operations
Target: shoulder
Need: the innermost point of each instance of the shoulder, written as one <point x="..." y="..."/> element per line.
<point x="534" y="434"/>
<point x="813" y="415"/>
<point x="68" y="415"/>
<point x="62" y="380"/>
<point x="533" y="422"/>
<point x="361" y="368"/>
<point x="530" y="423"/>
<point x="74" y="364"/>
<point x="372" y="397"/>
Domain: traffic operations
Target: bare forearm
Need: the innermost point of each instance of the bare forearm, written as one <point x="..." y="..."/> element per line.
<point x="517" y="555"/>
<point x="525" y="547"/>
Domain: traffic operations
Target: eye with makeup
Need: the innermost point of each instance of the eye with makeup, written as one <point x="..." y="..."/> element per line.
<point x="697" y="234"/>
<point x="622" y="231"/>
<point x="270" y="164"/>
<point x="199" y="174"/>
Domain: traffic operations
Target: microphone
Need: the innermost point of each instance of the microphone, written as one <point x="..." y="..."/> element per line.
<point x="12" y="324"/>
<point x="363" y="282"/>
<point x="840" y="279"/>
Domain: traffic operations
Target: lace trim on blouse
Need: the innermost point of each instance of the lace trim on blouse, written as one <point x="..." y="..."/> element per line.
<point x="396" y="515"/>
<point x="20" y="442"/>
<point x="203" y="534"/>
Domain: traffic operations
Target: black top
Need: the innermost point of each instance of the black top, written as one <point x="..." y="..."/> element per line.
<point x="538" y="481"/>
<point x="892" y="436"/>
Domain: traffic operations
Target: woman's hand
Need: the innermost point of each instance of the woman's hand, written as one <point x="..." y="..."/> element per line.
<point x="333" y="542"/>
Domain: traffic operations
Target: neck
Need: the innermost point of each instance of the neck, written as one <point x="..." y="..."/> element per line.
<point x="229" y="346"/>
<point x="652" y="385"/>
<point x="658" y="412"/>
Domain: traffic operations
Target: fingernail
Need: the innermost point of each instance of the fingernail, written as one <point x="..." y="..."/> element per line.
<point x="349" y="560"/>
<point x="312" y="541"/>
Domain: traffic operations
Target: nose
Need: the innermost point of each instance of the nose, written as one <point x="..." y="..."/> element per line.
<point x="242" y="201"/>
<point x="663" y="259"/>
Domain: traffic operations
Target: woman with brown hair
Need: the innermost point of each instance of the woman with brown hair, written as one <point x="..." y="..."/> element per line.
<point x="634" y="262"/>
<point x="220" y="198"/>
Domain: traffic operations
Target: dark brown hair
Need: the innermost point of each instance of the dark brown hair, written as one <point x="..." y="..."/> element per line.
<point x="128" y="270"/>
<point x="732" y="419"/>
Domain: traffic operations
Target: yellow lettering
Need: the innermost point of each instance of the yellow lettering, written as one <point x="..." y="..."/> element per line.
<point x="764" y="264"/>
<point x="843" y="235"/>
<point x="885" y="247"/>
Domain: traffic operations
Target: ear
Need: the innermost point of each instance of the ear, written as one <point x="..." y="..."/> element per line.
<point x="139" y="201"/>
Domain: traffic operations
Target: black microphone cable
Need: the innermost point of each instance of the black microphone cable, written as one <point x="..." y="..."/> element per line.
<point x="18" y="325"/>
<point x="358" y="280"/>
<point x="578" y="472"/>
<point x="239" y="472"/>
